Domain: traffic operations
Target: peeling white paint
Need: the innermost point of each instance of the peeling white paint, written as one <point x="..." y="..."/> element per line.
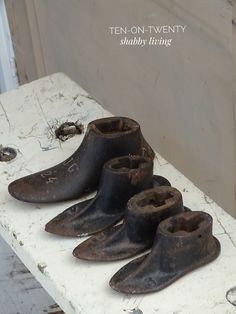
<point x="78" y="286"/>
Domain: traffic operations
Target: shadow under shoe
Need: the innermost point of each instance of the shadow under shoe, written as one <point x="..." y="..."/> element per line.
<point x="79" y="174"/>
<point x="183" y="243"/>
<point x="121" y="178"/>
<point x="137" y="233"/>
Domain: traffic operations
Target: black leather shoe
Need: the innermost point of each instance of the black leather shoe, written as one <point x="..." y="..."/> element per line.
<point x="183" y="243"/>
<point x="79" y="174"/>
<point x="137" y="233"/>
<point x="121" y="178"/>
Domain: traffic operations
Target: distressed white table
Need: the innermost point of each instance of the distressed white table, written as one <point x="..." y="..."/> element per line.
<point x="29" y="116"/>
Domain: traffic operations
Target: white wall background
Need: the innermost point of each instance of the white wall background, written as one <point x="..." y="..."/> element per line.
<point x="8" y="77"/>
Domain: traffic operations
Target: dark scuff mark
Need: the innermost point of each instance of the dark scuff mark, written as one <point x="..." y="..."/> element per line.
<point x="15" y="273"/>
<point x="134" y="311"/>
<point x="72" y="306"/>
<point x="53" y="309"/>
<point x="231" y="296"/>
<point x="6" y="116"/>
<point x="75" y="97"/>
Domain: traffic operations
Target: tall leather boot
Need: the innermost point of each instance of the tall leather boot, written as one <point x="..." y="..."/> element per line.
<point x="121" y="178"/>
<point x="79" y="174"/>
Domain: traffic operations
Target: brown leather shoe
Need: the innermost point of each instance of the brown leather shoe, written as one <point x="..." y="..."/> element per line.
<point x="137" y="233"/>
<point x="183" y="243"/>
<point x="121" y="178"/>
<point x="79" y="174"/>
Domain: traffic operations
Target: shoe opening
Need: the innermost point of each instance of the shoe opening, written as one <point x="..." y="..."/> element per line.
<point x="114" y="126"/>
<point x="128" y="163"/>
<point x="185" y="225"/>
<point x="154" y="199"/>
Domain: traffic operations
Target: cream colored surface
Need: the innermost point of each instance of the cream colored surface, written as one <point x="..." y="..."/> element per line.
<point x="182" y="95"/>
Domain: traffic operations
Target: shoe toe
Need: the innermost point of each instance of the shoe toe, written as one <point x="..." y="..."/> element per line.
<point x="22" y="190"/>
<point x="60" y="226"/>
